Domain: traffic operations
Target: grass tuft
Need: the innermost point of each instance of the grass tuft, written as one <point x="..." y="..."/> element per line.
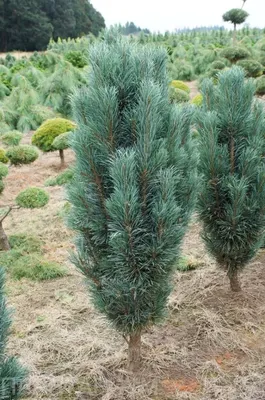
<point x="61" y="179"/>
<point x="25" y="260"/>
<point x="186" y="264"/>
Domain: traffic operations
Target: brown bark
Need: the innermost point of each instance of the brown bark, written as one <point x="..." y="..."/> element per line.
<point x="134" y="352"/>
<point x="234" y="35"/>
<point x="62" y="158"/>
<point x="234" y="281"/>
<point x="4" y="243"/>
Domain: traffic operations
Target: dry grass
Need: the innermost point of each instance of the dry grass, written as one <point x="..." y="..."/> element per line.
<point x="211" y="346"/>
<point x="17" y="54"/>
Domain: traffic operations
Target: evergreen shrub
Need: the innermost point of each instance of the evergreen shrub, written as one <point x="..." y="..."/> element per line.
<point x="32" y="197"/>
<point x="22" y="154"/>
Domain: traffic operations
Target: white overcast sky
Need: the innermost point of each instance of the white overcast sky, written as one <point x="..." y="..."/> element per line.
<point x="162" y="15"/>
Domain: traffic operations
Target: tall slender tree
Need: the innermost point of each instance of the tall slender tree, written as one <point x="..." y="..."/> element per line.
<point x="231" y="203"/>
<point x="12" y="374"/>
<point x="134" y="184"/>
<point x="236" y="16"/>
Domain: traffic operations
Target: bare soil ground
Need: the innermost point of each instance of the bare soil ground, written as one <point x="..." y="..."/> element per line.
<point x="211" y="346"/>
<point x="17" y="54"/>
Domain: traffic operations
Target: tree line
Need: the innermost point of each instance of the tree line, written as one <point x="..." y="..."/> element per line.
<point x="28" y="25"/>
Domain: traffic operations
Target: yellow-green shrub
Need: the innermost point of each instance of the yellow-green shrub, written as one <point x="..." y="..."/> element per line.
<point x="180" y="85"/>
<point x="197" y="100"/>
<point x="44" y="136"/>
<point x="3" y="157"/>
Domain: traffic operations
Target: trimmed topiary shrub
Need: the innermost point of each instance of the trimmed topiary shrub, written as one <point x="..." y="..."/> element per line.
<point x="180" y="85"/>
<point x="32" y="197"/>
<point x="3" y="157"/>
<point x="44" y="137"/>
<point x="3" y="170"/>
<point x="197" y="100"/>
<point x="235" y="54"/>
<point x="11" y="138"/>
<point x="252" y="68"/>
<point x="23" y="154"/>
<point x="217" y="65"/>
<point x="260" y="82"/>
<point x="178" y="96"/>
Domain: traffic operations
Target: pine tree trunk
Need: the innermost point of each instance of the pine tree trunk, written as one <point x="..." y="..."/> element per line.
<point x="234" y="35"/>
<point x="4" y="243"/>
<point x="134" y="352"/>
<point x="62" y="158"/>
<point x="234" y="281"/>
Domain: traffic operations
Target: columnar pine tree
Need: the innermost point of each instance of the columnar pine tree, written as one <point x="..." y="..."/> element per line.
<point x="134" y="184"/>
<point x="232" y="199"/>
<point x="12" y="374"/>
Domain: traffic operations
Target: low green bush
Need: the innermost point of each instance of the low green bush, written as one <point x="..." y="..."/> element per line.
<point x="22" y="154"/>
<point x="197" y="100"/>
<point x="252" y="68"/>
<point x="44" y="136"/>
<point x="3" y="170"/>
<point x="61" y="179"/>
<point x="217" y="65"/>
<point x="32" y="197"/>
<point x="11" y="138"/>
<point x="180" y="85"/>
<point x="76" y="58"/>
<point x="260" y="83"/>
<point x="178" y="95"/>
<point x="3" y="157"/>
<point x="235" y="54"/>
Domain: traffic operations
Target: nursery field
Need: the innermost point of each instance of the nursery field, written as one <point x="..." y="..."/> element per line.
<point x="151" y="144"/>
<point x="211" y="346"/>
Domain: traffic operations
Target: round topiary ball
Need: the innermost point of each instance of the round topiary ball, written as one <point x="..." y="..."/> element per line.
<point x="260" y="82"/>
<point x="23" y="154"/>
<point x="32" y="197"/>
<point x="252" y="68"/>
<point x="3" y="157"/>
<point x="11" y="138"/>
<point x="3" y="170"/>
<point x="44" y="136"/>
<point x="180" y="85"/>
<point x="178" y="96"/>
<point x="217" y="65"/>
<point x="235" y="54"/>
<point x="61" y="142"/>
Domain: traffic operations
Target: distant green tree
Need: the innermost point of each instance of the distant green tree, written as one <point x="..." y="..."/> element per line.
<point x="134" y="184"/>
<point x="231" y="202"/>
<point x="236" y="16"/>
<point x="24" y="26"/>
<point x="30" y="24"/>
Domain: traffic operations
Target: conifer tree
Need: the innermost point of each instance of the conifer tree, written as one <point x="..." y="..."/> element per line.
<point x="236" y="16"/>
<point x="231" y="203"/>
<point x="134" y="184"/>
<point x="12" y="374"/>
